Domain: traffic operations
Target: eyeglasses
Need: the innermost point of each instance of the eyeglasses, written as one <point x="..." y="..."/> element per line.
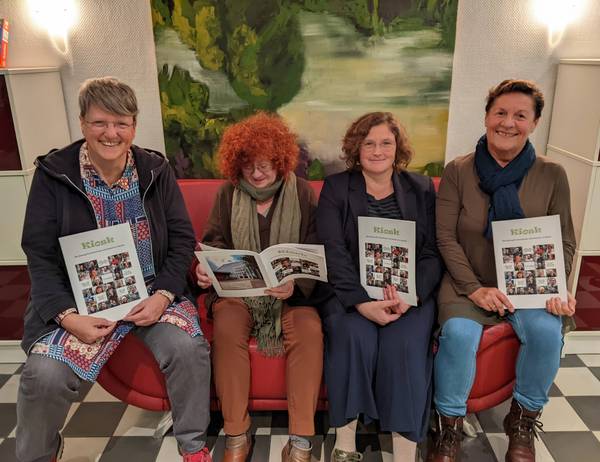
<point x="263" y="167"/>
<point x="387" y="145"/>
<point x="99" y="125"/>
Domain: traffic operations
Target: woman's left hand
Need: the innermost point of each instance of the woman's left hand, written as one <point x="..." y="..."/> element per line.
<point x="148" y="311"/>
<point x="282" y="292"/>
<point x="559" y="307"/>
<point x="390" y="293"/>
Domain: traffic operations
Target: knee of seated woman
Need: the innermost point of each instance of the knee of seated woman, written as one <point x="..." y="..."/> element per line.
<point x="539" y="326"/>
<point x="463" y="332"/>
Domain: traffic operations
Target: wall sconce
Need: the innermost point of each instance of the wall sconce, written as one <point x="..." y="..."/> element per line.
<point x="55" y="16"/>
<point x="557" y="15"/>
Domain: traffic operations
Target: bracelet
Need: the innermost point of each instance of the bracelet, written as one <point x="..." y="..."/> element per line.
<point x="62" y="315"/>
<point x="168" y="295"/>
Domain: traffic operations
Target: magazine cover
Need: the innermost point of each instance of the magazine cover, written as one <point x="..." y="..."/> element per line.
<point x="104" y="271"/>
<point x="387" y="256"/>
<point x="530" y="266"/>
<point x="242" y="273"/>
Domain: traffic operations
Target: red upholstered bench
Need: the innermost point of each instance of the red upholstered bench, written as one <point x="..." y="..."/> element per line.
<point x="132" y="374"/>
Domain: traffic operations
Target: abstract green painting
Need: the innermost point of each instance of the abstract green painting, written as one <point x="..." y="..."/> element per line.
<point x="318" y="63"/>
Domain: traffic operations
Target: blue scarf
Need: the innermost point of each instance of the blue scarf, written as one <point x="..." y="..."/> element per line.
<point x="502" y="183"/>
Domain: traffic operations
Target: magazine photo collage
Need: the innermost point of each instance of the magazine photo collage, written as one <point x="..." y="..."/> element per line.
<point x="285" y="266"/>
<point x="107" y="282"/>
<point x="530" y="270"/>
<point x="387" y="265"/>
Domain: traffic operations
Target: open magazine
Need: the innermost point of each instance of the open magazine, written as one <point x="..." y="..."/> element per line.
<point x="242" y="273"/>
<point x="387" y="257"/>
<point x="530" y="266"/>
<point x="104" y="271"/>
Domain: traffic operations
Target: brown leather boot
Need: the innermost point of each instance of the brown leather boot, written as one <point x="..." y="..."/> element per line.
<point x="237" y="448"/>
<point x="291" y="453"/>
<point x="446" y="447"/>
<point x="521" y="427"/>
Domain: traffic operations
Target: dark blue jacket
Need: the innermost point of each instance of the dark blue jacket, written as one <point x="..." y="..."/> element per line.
<point x="343" y="199"/>
<point x="58" y="206"/>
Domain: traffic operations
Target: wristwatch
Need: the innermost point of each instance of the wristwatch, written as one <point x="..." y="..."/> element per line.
<point x="168" y="295"/>
<point x="63" y="314"/>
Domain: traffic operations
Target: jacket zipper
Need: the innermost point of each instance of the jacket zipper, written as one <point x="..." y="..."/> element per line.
<point x="84" y="195"/>
<point x="148" y="218"/>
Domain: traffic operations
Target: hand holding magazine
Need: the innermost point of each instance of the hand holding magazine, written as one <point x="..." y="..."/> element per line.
<point x="243" y="273"/>
<point x="387" y="257"/>
<point x="104" y="271"/>
<point x="530" y="265"/>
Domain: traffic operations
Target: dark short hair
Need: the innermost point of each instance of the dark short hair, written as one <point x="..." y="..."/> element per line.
<point x="110" y="95"/>
<point x="359" y="130"/>
<point x="517" y="86"/>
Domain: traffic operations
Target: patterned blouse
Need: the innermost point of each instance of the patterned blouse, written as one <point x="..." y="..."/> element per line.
<point x="116" y="204"/>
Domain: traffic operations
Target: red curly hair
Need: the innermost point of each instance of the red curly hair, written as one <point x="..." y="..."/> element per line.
<point x="259" y="137"/>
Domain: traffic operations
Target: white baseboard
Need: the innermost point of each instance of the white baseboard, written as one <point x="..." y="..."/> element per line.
<point x="582" y="342"/>
<point x="11" y="352"/>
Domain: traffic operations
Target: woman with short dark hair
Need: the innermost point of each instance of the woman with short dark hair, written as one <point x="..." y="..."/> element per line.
<point x="502" y="180"/>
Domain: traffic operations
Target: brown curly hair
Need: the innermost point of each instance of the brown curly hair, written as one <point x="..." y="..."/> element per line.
<point x="359" y="130"/>
<point x="259" y="137"/>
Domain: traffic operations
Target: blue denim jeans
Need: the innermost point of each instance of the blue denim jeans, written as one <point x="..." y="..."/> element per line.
<point x="537" y="364"/>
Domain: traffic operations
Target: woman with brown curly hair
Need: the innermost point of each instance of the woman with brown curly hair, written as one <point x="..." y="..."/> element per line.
<point x="264" y="204"/>
<point x="378" y="357"/>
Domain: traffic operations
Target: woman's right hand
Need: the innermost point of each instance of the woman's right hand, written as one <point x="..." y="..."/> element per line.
<point x="380" y="312"/>
<point x="491" y="299"/>
<point x="88" y="329"/>
<point x="203" y="279"/>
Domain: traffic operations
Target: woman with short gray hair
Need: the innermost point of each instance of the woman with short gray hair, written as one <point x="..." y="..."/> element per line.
<point x="99" y="181"/>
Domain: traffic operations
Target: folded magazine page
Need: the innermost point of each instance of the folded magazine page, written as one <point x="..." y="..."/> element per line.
<point x="387" y="257"/>
<point x="104" y="271"/>
<point x="530" y="266"/>
<point x="242" y="273"/>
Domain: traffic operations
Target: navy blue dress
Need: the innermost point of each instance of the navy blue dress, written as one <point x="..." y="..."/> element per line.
<point x="382" y="372"/>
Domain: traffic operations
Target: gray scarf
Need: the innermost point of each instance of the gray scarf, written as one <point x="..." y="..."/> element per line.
<point x="285" y="227"/>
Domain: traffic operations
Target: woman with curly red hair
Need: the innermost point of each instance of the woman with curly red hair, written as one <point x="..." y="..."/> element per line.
<point x="263" y="204"/>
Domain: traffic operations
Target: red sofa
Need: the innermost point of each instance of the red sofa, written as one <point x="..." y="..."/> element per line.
<point x="143" y="385"/>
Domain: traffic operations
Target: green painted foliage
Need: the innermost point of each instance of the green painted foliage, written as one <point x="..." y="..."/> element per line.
<point x="208" y="32"/>
<point x="433" y="169"/>
<point x="316" y="171"/>
<point x="258" y="45"/>
<point x="191" y="134"/>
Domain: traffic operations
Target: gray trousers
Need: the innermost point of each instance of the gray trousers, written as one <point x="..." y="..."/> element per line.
<point x="49" y="387"/>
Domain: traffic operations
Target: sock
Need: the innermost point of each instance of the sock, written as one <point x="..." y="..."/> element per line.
<point x="404" y="450"/>
<point x="345" y="437"/>
<point x="300" y="442"/>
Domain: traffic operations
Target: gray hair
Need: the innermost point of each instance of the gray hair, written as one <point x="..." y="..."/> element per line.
<point x="110" y="95"/>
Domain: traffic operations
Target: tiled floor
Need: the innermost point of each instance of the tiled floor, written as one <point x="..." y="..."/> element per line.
<point x="99" y="428"/>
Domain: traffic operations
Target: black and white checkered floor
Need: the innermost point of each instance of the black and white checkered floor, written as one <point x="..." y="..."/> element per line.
<point x="99" y="428"/>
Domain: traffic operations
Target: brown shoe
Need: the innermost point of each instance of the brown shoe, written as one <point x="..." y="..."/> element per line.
<point x="446" y="447"/>
<point x="237" y="448"/>
<point x="291" y="453"/>
<point x="521" y="427"/>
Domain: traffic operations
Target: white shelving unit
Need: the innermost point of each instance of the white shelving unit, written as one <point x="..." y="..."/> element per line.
<point x="37" y="107"/>
<point x="574" y="141"/>
<point x="32" y="99"/>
